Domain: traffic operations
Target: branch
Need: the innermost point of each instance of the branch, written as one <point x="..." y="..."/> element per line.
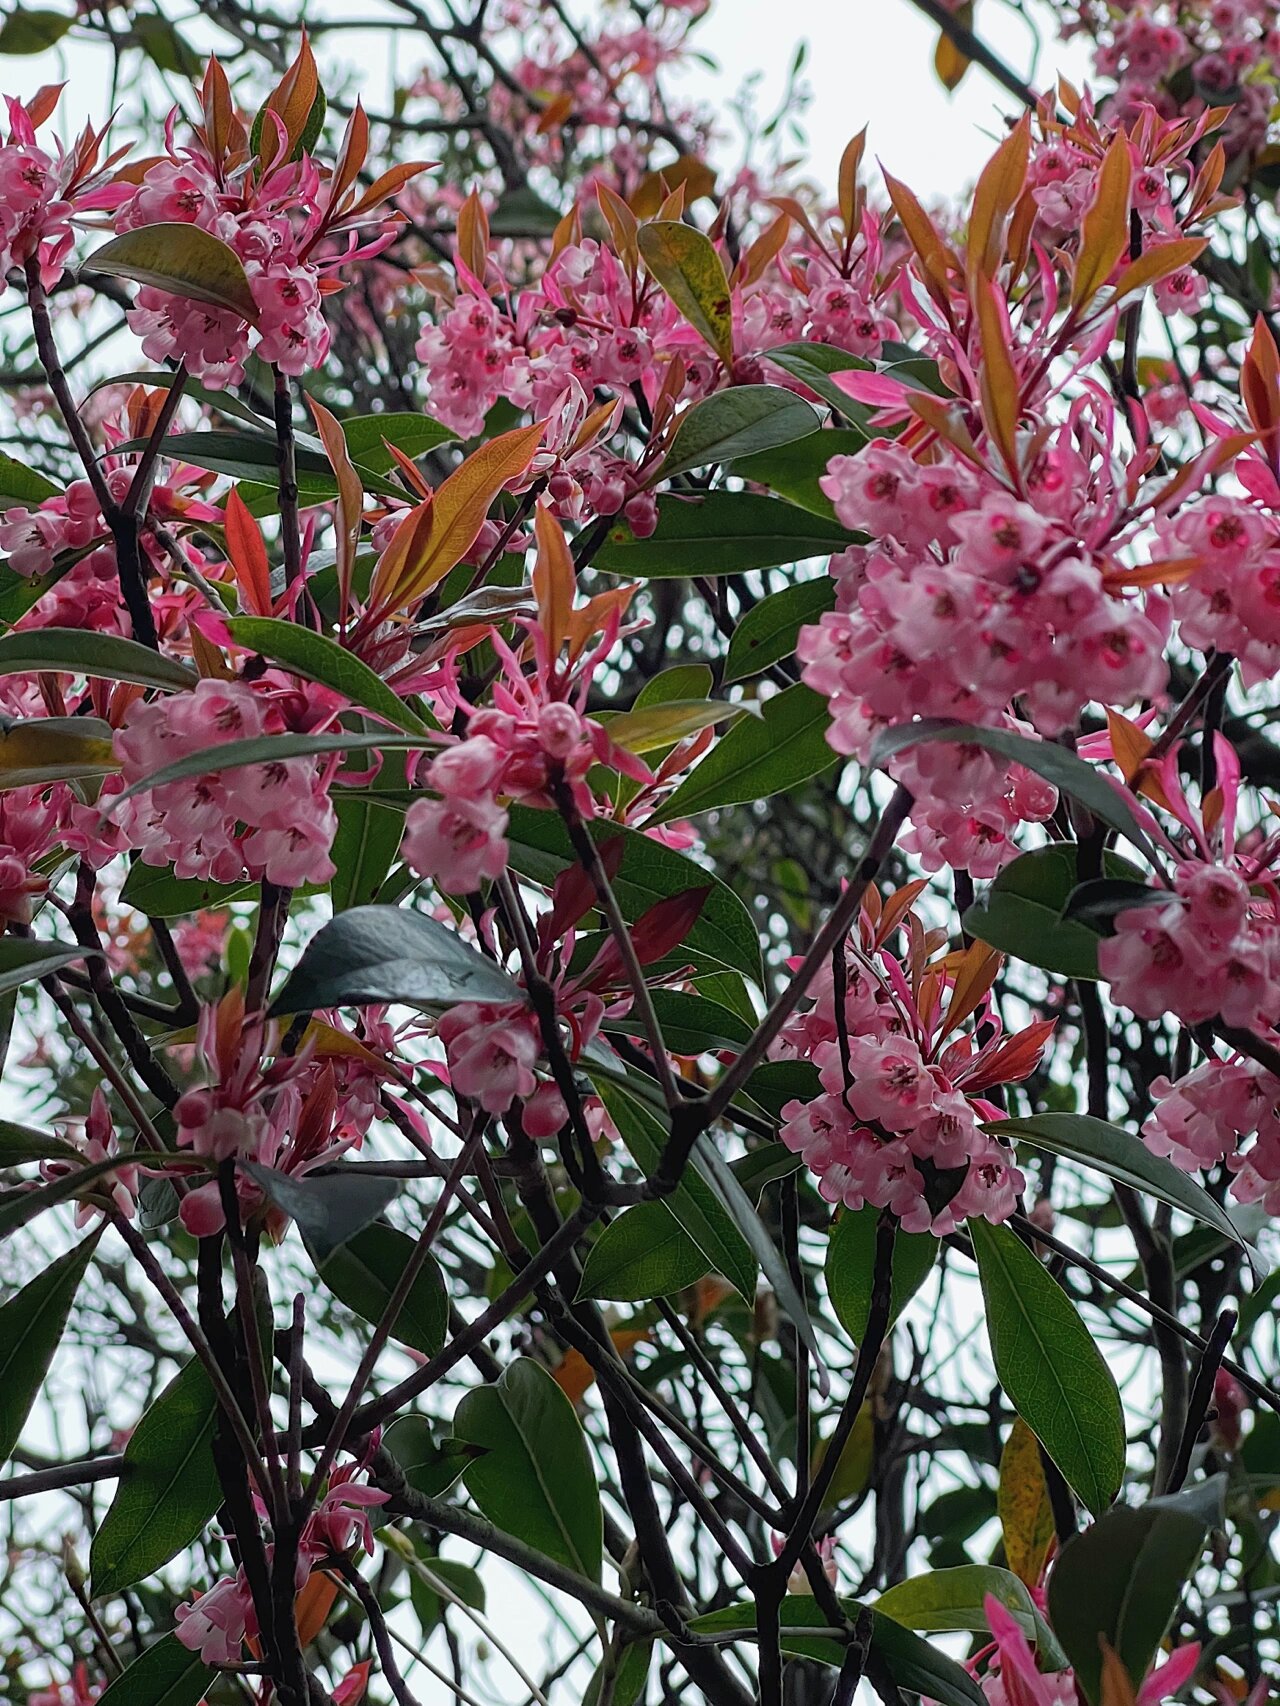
<point x="977" y="50"/>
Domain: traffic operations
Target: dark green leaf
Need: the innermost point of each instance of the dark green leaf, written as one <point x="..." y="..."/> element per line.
<point x="1020" y="913"/>
<point x="769" y="630"/>
<point x="691" y="1025"/>
<point x="628" y="1673"/>
<point x="1051" y="1370"/>
<point x="386" y="953"/>
<point x="430" y="1464"/>
<point x="1095" y="903"/>
<point x="694" y="1203"/>
<point x="778" y="1082"/>
<point x="166" y="49"/>
<point x="330" y="1208"/>
<point x="364" y="1271"/>
<point x="1121" y="1156"/>
<point x="794" y="470"/>
<point x="155" y="890"/>
<point x="1071" y="775"/>
<point x="952" y="1599"/>
<point x="167" y="1674"/>
<point x="23" y="959"/>
<point x="21" y="1206"/>
<point x="20" y="485"/>
<point x="911" y="1661"/>
<point x="31" y="1324"/>
<point x="644" y="1253"/>
<point x="428" y="1602"/>
<point x="321" y="659"/>
<point x="742" y="421"/>
<point x="363" y="850"/>
<point x="535" y="1480"/>
<point x="759" y="756"/>
<point x="723" y="533"/>
<point x="813" y="365"/>
<point x="77" y="651"/>
<point x="266" y="749"/>
<point x="34" y="30"/>
<point x="168" y="1490"/>
<point x="850" y="1268"/>
<point x="186" y="261"/>
<point x="723" y="934"/>
<point x="1123" y="1578"/>
<point x="20" y="1143"/>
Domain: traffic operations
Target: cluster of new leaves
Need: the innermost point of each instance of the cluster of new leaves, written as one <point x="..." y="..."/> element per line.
<point x="475" y="892"/>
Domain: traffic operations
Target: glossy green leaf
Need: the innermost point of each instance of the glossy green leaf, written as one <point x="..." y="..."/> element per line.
<point x="1120" y="1155"/>
<point x="625" y="1676"/>
<point x="723" y="935"/>
<point x="155" y="890"/>
<point x="35" y="750"/>
<point x="952" y="1599"/>
<point x="364" y="849"/>
<point x="745" y="420"/>
<point x="23" y="959"/>
<point x="794" y="470"/>
<point x="20" y="485"/>
<point x="1020" y="913"/>
<point x="694" y="1203"/>
<point x="184" y="260"/>
<point x="656" y="727"/>
<point x="387" y="953"/>
<point x="322" y="659"/>
<point x="20" y="1144"/>
<point x="769" y="630"/>
<point x="723" y="533"/>
<point x="77" y="651"/>
<point x="1071" y="775"/>
<point x="691" y="1025"/>
<point x="1052" y="1372"/>
<point x="760" y="756"/>
<point x="329" y="1208"/>
<point x="1123" y="1579"/>
<point x="687" y="265"/>
<point x="850" y="1268"/>
<point x="814" y="364"/>
<point x="168" y="1490"/>
<point x="364" y="1271"/>
<point x="167" y="1674"/>
<point x="535" y="1480"/>
<point x="430" y="1461"/>
<point x="644" y="1253"/>
<point x="31" y="1324"/>
<point x="913" y="1664"/>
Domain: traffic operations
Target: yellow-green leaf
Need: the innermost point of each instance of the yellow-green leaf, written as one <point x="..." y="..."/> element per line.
<point x="53" y="749"/>
<point x="1022" y="1502"/>
<point x="686" y="265"/>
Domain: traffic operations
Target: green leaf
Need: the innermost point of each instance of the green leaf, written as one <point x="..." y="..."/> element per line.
<point x="769" y="630"/>
<point x="183" y="260"/>
<point x="760" y="756"/>
<point x="1123" y="1578"/>
<point x="330" y="1208"/>
<point x="951" y="1599"/>
<point x="794" y="470"/>
<point x="321" y="659"/>
<point x="1051" y="1370"/>
<point x="691" y="1025"/>
<point x="914" y="1665"/>
<point x="688" y="267"/>
<point x="21" y="485"/>
<point x="628" y="1674"/>
<point x="742" y="421"/>
<point x="415" y="434"/>
<point x="850" y="1268"/>
<point x="54" y="749"/>
<point x="155" y="890"/>
<point x="1020" y="913"/>
<point x="778" y="1082"/>
<point x="723" y="533"/>
<point x="535" y="1480"/>
<point x="813" y="365"/>
<point x="386" y="953"/>
<point x="644" y="1253"/>
<point x="167" y="1674"/>
<point x="653" y="728"/>
<point x="723" y="935"/>
<point x="74" y="651"/>
<point x="33" y="31"/>
<point x="364" y="1271"/>
<point x="166" y="49"/>
<point x="430" y="1464"/>
<point x="694" y="1203"/>
<point x="1071" y="775"/>
<point x="31" y="1324"/>
<point x="428" y="1602"/>
<point x="168" y="1491"/>
<point x="20" y="1144"/>
<point x="19" y="1207"/>
<point x="1119" y="1155"/>
<point x="22" y="960"/>
<point x="363" y="850"/>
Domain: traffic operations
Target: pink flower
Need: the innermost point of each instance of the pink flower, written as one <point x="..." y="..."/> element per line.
<point x="459" y="842"/>
<point x="215" y="1624"/>
<point x="491" y="1052"/>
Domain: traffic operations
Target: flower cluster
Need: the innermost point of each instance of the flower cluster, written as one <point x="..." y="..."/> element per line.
<point x="899" y="1120"/>
<point x="42" y="193"/>
<point x="1210" y="1114"/>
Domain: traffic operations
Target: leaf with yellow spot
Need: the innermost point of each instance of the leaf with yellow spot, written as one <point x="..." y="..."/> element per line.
<point x="54" y="749"/>
<point x="1022" y="1504"/>
<point x="685" y="263"/>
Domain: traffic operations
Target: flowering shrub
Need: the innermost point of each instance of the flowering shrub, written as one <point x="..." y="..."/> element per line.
<point x="638" y="904"/>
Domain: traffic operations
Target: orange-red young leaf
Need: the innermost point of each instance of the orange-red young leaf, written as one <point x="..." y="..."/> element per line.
<point x="1104" y="231"/>
<point x="623" y="226"/>
<point x="554" y="579"/>
<point x="766" y="248"/>
<point x="1260" y="388"/>
<point x="294" y="96"/>
<point x="1131" y="748"/>
<point x="998" y="378"/>
<point x="1158" y="263"/>
<point x="248" y="554"/>
<point x="437" y="535"/>
<point x="350" y="500"/>
<point x="936" y="259"/>
<point x="1002" y="182"/>
<point x="848" y="199"/>
<point x="473" y="235"/>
